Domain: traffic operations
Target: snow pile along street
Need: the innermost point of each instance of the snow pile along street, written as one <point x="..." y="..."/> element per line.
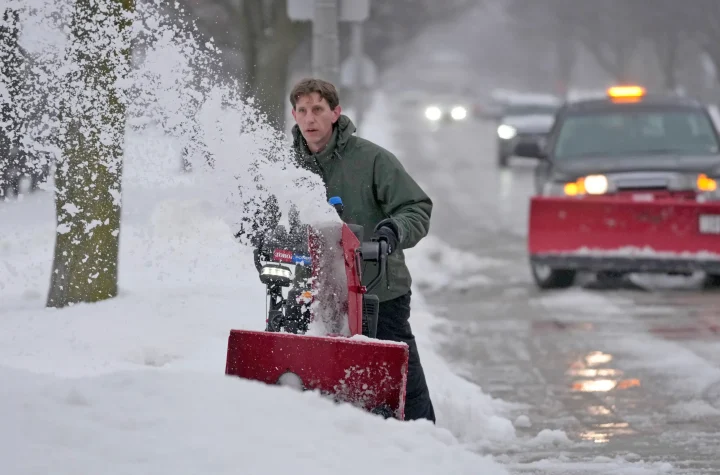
<point x="136" y="383"/>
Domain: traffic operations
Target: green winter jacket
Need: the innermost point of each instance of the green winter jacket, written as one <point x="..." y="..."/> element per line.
<point x="374" y="188"/>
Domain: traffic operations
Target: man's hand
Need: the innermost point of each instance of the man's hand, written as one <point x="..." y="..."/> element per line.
<point x="387" y="233"/>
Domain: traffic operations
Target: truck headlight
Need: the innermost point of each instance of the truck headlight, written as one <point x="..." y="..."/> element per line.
<point x="596" y="184"/>
<point x="506" y="132"/>
<point x="587" y="185"/>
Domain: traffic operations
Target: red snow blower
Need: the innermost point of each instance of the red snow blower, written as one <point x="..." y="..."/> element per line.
<point x="322" y="336"/>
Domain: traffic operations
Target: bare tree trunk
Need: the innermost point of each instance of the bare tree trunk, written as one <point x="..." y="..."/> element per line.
<point x="271" y="91"/>
<point x="713" y="51"/>
<point x="253" y="26"/>
<point x="88" y="175"/>
<point x="566" y="57"/>
<point x="267" y="55"/>
<point x="667" y="55"/>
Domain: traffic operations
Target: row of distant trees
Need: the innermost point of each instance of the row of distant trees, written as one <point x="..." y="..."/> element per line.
<point x="613" y="31"/>
<point x="266" y="41"/>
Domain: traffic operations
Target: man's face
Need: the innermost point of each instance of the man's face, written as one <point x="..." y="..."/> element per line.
<point x="315" y="119"/>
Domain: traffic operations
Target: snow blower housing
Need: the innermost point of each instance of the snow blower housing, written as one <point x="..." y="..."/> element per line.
<point x="346" y="361"/>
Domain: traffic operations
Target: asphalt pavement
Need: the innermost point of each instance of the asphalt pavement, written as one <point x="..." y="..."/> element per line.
<point x="628" y="373"/>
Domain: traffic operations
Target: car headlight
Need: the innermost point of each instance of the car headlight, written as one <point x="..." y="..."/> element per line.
<point x="433" y="113"/>
<point x="458" y="113"/>
<point x="506" y="132"/>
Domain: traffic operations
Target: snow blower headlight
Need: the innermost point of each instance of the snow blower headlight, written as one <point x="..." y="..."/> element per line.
<point x="275" y="274"/>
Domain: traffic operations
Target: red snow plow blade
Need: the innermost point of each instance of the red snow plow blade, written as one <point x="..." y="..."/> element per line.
<point x="604" y="233"/>
<point x="370" y="374"/>
<point x="346" y="363"/>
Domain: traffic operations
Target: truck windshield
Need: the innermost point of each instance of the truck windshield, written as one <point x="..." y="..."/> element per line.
<point x="641" y="132"/>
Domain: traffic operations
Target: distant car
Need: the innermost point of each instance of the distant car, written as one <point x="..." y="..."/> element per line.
<point x="446" y="110"/>
<point x="446" y="113"/>
<point x="521" y="123"/>
<point x="626" y="184"/>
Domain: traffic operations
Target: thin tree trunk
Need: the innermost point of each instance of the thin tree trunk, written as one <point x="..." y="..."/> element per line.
<point x="88" y="175"/>
<point x="253" y="26"/>
<point x="668" y="55"/>
<point x="272" y="80"/>
<point x="268" y="56"/>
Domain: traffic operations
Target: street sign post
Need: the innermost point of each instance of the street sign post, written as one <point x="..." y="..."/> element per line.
<point x="357" y="72"/>
<point x="366" y="77"/>
<point x="348" y="10"/>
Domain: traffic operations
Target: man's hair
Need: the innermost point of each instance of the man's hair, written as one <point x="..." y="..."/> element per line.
<point x="307" y="86"/>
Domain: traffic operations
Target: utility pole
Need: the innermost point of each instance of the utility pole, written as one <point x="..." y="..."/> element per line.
<point x="356" y="52"/>
<point x="326" y="41"/>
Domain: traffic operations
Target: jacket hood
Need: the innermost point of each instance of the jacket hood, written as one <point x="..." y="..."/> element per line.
<point x="344" y="128"/>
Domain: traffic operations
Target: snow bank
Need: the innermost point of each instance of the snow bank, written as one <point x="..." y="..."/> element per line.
<point x="188" y="423"/>
<point x="475" y="418"/>
<point x="437" y="266"/>
<point x="136" y="383"/>
<point x="461" y="406"/>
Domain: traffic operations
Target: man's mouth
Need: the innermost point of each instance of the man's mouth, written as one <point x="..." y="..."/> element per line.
<point x="311" y="130"/>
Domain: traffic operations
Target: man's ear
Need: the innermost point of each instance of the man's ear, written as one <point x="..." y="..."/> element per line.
<point x="336" y="113"/>
<point x="294" y="115"/>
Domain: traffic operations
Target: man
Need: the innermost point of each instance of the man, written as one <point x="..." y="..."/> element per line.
<point x="379" y="195"/>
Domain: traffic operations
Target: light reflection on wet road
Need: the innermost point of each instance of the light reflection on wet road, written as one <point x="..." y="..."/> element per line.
<point x="624" y="372"/>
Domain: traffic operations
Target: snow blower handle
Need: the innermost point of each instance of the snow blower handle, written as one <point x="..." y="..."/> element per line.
<point x="376" y="251"/>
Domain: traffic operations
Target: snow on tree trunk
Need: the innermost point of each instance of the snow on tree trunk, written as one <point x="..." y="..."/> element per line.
<point x="88" y="174"/>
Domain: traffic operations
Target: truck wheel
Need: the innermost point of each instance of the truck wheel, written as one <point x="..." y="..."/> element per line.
<point x="610" y="278"/>
<point x="546" y="277"/>
<point x="711" y="282"/>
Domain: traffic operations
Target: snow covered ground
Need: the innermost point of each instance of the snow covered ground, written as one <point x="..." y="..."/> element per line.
<point x="136" y="385"/>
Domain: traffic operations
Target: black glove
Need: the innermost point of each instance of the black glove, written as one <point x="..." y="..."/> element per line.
<point x="387" y="233"/>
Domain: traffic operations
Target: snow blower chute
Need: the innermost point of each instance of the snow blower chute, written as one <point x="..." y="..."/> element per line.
<point x="322" y="335"/>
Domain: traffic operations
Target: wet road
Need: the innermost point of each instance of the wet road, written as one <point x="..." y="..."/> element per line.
<point x="628" y="374"/>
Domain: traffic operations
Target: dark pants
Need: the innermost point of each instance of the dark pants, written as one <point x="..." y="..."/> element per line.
<point x="393" y="325"/>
